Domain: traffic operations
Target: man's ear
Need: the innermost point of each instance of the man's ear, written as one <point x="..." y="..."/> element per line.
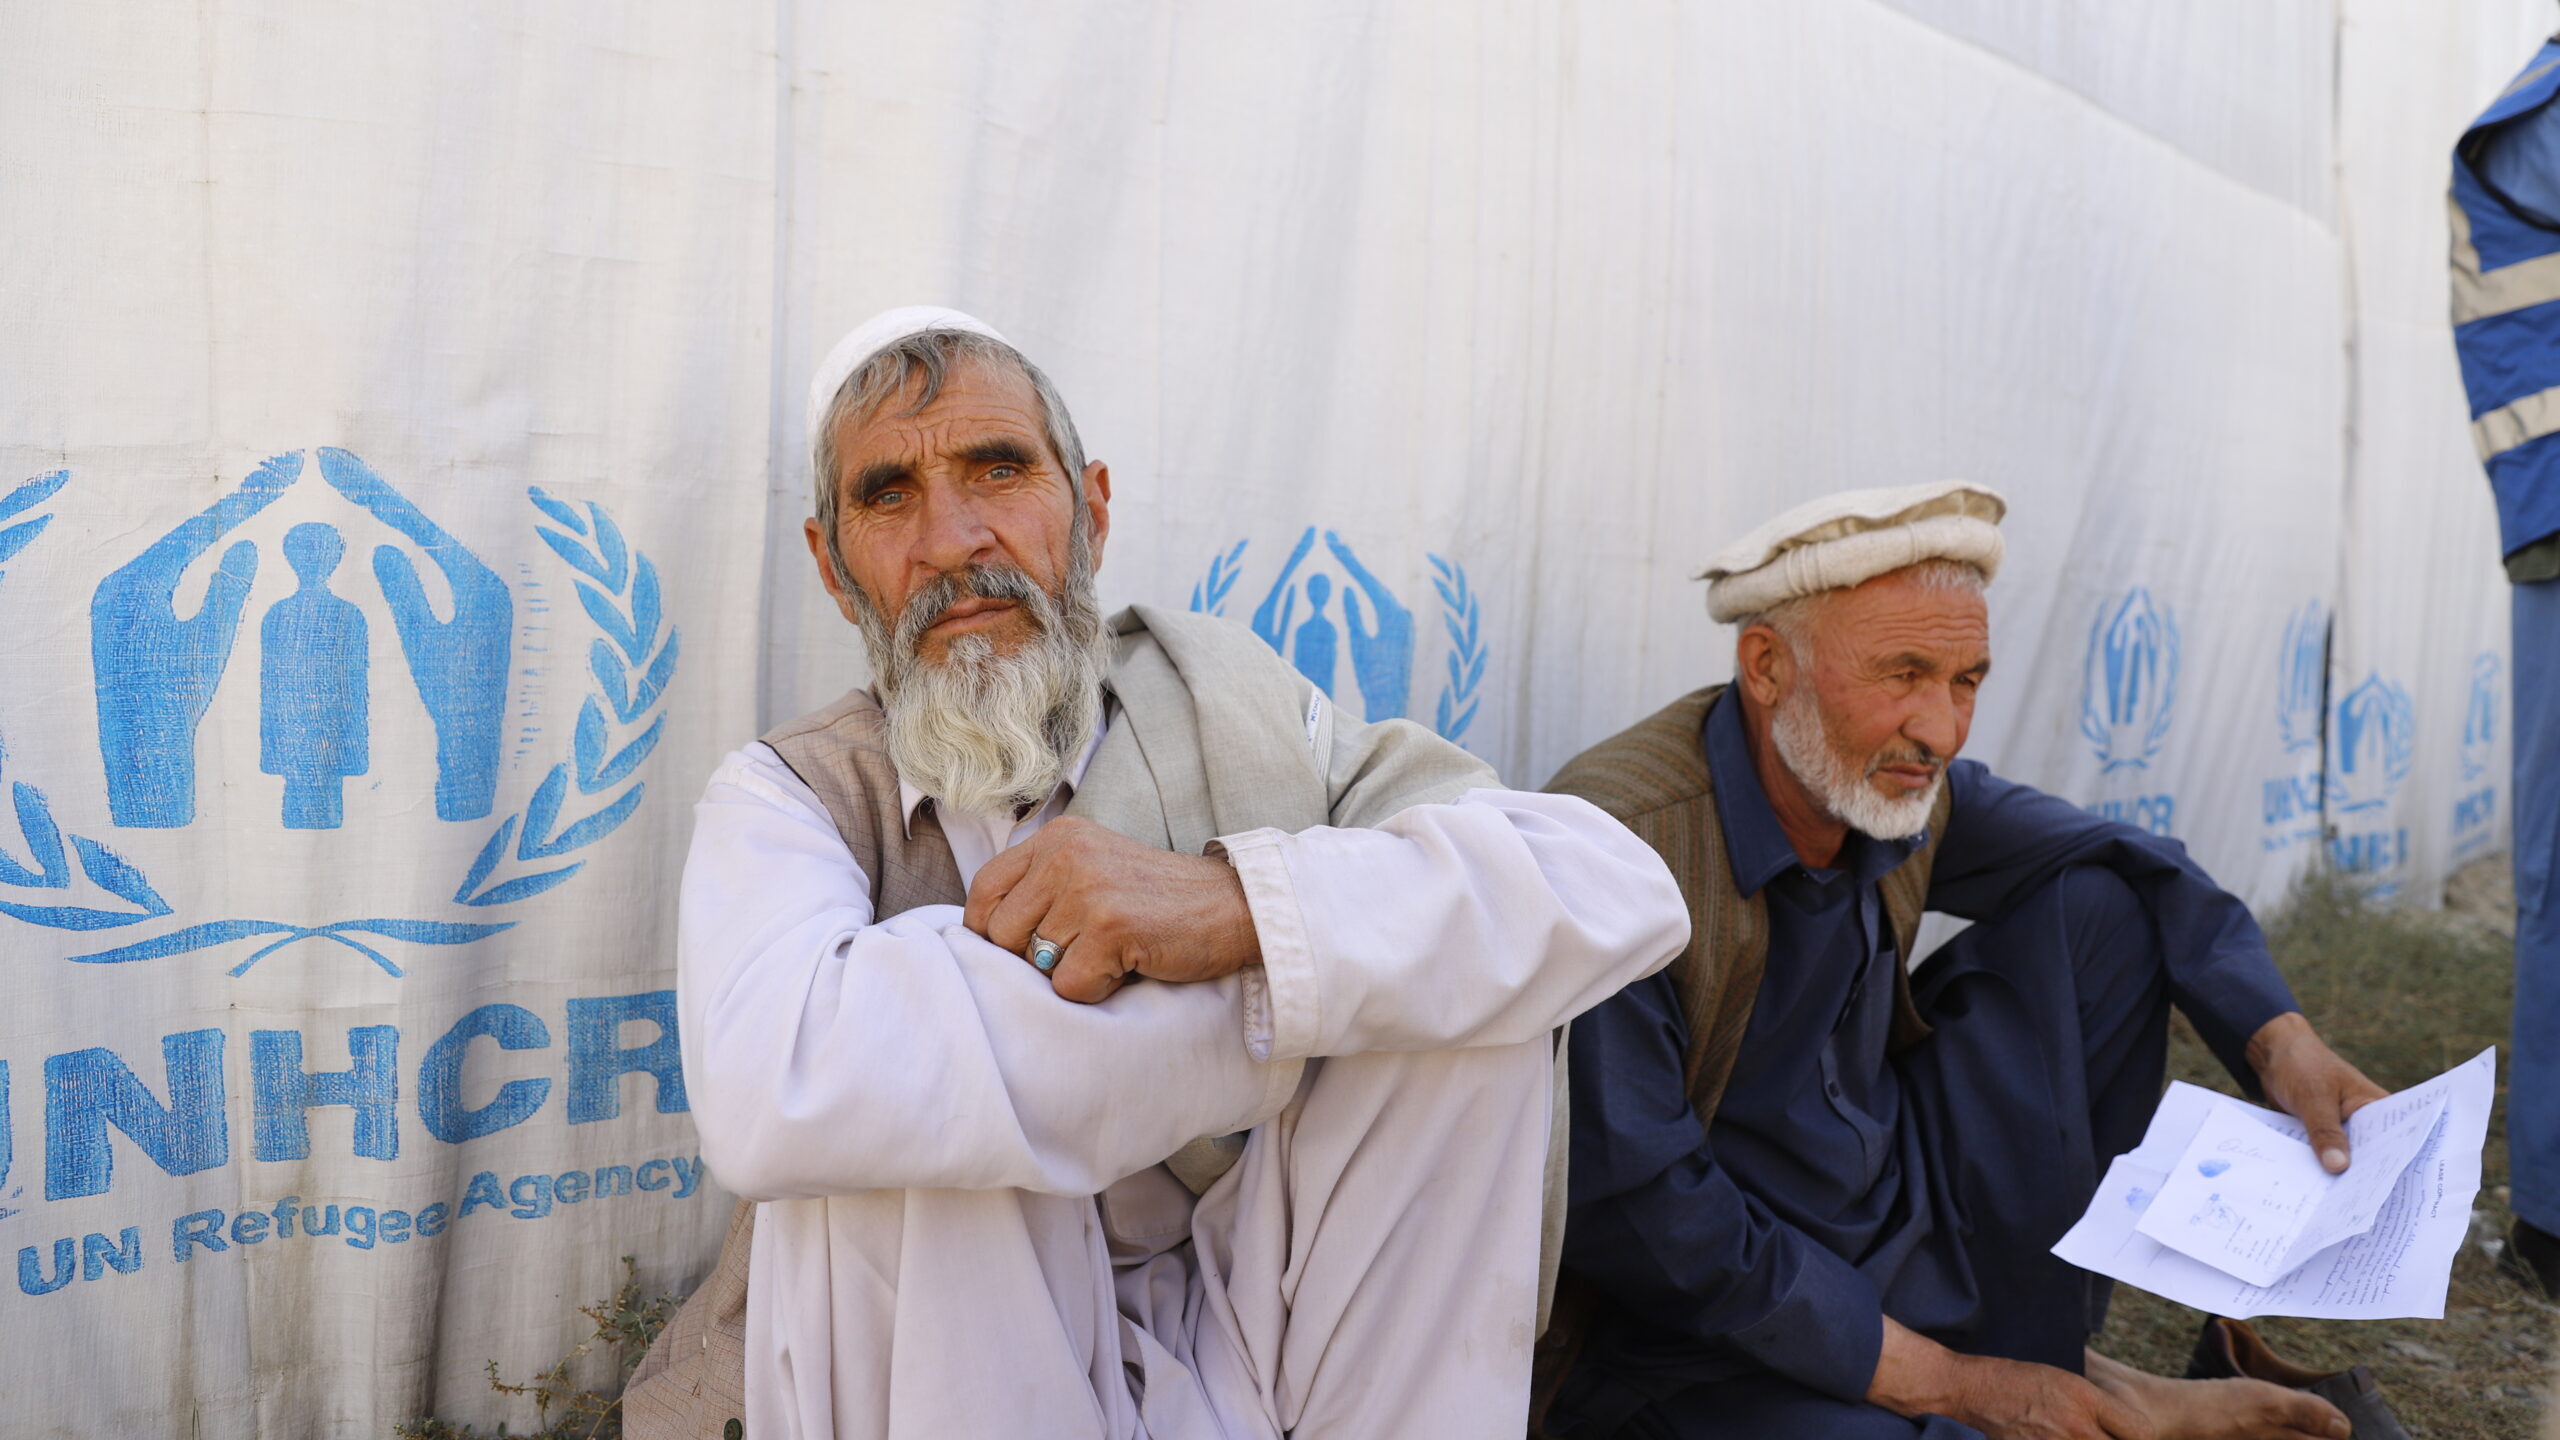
<point x="1763" y="663"/>
<point x="1097" y="504"/>
<point x="817" y="538"/>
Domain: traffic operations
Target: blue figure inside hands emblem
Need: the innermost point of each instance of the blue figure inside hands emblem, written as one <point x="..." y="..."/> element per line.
<point x="1376" y="627"/>
<point x="155" y="671"/>
<point x="157" y="674"/>
<point x="313" y="686"/>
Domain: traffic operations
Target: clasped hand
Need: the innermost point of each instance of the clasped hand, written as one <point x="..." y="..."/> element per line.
<point x="1116" y="907"/>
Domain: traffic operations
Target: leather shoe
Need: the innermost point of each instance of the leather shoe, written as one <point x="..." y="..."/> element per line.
<point x="2532" y="1259"/>
<point x="2233" y="1349"/>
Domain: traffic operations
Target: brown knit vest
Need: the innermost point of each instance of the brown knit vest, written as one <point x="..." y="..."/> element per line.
<point x="1654" y="779"/>
<point x="692" y="1383"/>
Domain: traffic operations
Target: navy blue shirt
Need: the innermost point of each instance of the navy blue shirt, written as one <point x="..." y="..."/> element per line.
<point x="1765" y="1245"/>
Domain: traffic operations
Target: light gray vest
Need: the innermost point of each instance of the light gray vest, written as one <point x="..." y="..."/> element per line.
<point x="1213" y="734"/>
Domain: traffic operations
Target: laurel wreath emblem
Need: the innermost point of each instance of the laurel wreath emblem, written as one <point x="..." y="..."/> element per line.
<point x="1209" y="594"/>
<point x="1461" y="616"/>
<point x="631" y="663"/>
<point x="632" y="660"/>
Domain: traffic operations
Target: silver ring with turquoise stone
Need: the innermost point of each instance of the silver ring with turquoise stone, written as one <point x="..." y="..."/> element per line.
<point x="1045" y="953"/>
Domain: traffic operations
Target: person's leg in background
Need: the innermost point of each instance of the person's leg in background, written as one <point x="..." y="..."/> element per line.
<point x="2533" y="1074"/>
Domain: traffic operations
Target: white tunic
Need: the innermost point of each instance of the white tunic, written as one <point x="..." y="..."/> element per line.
<point x="929" y="1126"/>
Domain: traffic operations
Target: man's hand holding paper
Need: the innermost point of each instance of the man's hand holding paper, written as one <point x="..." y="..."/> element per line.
<point x="2377" y="1242"/>
<point x="2249" y="1195"/>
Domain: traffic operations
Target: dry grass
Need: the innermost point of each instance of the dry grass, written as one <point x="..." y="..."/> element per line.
<point x="622" y="1328"/>
<point x="2404" y="994"/>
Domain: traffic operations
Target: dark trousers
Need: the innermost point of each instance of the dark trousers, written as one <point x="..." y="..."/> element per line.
<point x="2050" y="1046"/>
<point x="2533" y="1075"/>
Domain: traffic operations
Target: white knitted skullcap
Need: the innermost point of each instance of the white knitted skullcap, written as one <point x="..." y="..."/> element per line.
<point x="873" y="336"/>
<point x="1850" y="538"/>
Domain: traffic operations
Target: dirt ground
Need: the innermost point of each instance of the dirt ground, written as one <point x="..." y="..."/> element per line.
<point x="2404" y="993"/>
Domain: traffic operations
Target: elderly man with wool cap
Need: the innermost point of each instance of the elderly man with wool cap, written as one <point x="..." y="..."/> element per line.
<point x="996" y="1186"/>
<point x="1812" y="1193"/>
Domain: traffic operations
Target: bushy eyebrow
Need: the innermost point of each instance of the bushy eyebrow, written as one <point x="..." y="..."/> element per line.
<point x="1913" y="660"/>
<point x="878" y="477"/>
<point x="1000" y="450"/>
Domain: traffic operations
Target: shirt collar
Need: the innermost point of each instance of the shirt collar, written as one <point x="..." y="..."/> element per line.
<point x="909" y="797"/>
<point x="1754" y="841"/>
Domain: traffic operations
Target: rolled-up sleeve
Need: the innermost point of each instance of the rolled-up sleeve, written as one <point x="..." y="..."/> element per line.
<point x="1665" y="1233"/>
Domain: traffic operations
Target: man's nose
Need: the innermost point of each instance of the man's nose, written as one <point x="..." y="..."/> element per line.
<point x="1937" y="723"/>
<point x="955" y="534"/>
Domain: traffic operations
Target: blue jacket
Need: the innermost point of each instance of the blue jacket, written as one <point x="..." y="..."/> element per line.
<point x="2506" y="296"/>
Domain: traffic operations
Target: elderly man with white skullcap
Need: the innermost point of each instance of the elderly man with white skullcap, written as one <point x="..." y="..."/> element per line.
<point x="1812" y="1193"/>
<point x="1293" y="1182"/>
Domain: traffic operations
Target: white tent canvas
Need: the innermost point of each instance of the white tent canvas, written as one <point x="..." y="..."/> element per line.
<point x="401" y="476"/>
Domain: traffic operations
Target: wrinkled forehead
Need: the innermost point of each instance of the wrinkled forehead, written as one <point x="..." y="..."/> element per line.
<point x="980" y="400"/>
<point x="1898" y="614"/>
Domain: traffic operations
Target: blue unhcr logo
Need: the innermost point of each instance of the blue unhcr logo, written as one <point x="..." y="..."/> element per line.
<point x="1379" y="635"/>
<point x="2129" y="685"/>
<point x="2290" y="804"/>
<point x="2128" y="692"/>
<point x="2376" y="725"/>
<point x="2373" y="743"/>
<point x="2302" y="678"/>
<point x="157" y="673"/>
<point x="2480" y="714"/>
<point x="2476" y="809"/>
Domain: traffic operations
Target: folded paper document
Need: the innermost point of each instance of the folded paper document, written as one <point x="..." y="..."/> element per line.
<point x="2224" y="1207"/>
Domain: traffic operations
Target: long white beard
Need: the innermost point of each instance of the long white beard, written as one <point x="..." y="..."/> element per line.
<point x="1845" y="794"/>
<point x="981" y="731"/>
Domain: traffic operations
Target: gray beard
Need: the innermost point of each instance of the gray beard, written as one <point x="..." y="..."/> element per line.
<point x="1804" y="745"/>
<point x="984" y="732"/>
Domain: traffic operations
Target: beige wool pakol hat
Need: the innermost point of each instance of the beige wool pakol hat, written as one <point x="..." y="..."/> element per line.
<point x="1850" y="538"/>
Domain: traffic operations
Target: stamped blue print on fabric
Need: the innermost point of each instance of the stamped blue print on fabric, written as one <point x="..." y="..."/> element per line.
<point x="2128" y="698"/>
<point x="2480" y="714"/>
<point x="312" y="685"/>
<point x="2474" y="812"/>
<point x="2302" y="678"/>
<point x="1356" y="613"/>
<point x="17" y="534"/>
<point x="2129" y="685"/>
<point x="2372" y="745"/>
<point x="459" y="664"/>
<point x="157" y="672"/>
<point x="2376" y="741"/>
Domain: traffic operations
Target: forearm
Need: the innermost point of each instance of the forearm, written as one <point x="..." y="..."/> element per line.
<point x="918" y="1056"/>
<point x="1915" y="1375"/>
<point x="827" y="1054"/>
<point x="1485" y="922"/>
